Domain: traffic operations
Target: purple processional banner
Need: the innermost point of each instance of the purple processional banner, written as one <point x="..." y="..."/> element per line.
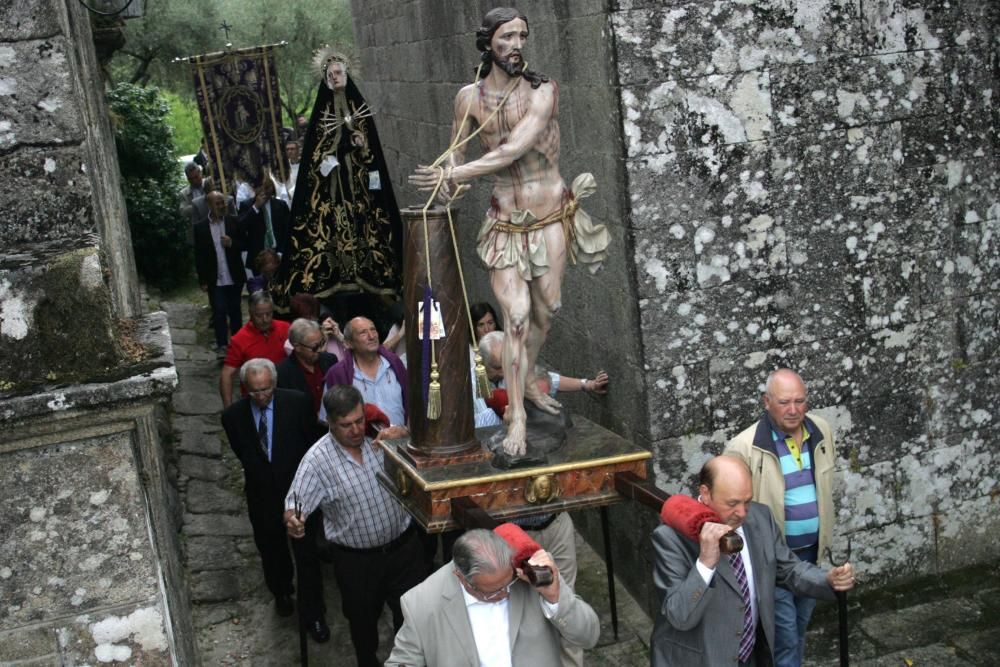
<point x="238" y="98"/>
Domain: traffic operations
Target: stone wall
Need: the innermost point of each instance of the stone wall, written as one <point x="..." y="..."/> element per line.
<point x="89" y="546"/>
<point x="816" y="185"/>
<point x="66" y="265"/>
<point x="811" y="183"/>
<point x="89" y="555"/>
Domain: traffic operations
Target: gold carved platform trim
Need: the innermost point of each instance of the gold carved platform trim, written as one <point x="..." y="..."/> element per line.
<point x="580" y="474"/>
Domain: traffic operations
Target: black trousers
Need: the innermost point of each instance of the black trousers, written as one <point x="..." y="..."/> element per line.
<point x="225" y="303"/>
<point x="368" y="582"/>
<point x="271" y="538"/>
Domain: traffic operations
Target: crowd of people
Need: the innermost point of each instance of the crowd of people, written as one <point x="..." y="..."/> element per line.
<point x="305" y="418"/>
<point x="309" y="396"/>
<point x="306" y="431"/>
<point x="305" y="404"/>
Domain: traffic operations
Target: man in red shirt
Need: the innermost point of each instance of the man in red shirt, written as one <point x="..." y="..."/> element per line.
<point x="262" y="336"/>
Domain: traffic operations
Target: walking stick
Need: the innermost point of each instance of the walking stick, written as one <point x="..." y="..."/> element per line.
<point x="303" y="642"/>
<point x="606" y="531"/>
<point x="842" y="608"/>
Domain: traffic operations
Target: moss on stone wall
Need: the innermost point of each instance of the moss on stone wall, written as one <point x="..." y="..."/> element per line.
<point x="68" y="333"/>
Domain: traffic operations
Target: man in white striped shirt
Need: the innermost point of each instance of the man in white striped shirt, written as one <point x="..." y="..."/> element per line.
<point x="373" y="543"/>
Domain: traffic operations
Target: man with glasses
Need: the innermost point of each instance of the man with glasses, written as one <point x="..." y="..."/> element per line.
<point x="480" y="610"/>
<point x="373" y="542"/>
<point x="790" y="454"/>
<point x="305" y="368"/>
<point x="269" y="431"/>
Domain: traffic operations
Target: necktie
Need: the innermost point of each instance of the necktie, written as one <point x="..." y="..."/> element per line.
<point x="269" y="241"/>
<point x="262" y="433"/>
<point x="747" y="640"/>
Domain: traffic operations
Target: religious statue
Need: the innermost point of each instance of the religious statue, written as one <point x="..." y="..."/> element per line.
<point x="346" y="233"/>
<point x="534" y="224"/>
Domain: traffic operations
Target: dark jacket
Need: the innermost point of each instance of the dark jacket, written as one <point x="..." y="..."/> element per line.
<point x="294" y="431"/>
<point x="204" y="253"/>
<point x="290" y="375"/>
<point x="254" y="227"/>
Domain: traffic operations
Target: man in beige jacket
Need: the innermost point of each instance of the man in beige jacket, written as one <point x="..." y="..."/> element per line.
<point x="791" y="454"/>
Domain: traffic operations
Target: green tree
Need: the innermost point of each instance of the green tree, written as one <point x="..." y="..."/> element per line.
<point x="180" y="28"/>
<point x="168" y="29"/>
<point x="186" y="122"/>
<point x="150" y="178"/>
<point x="305" y="26"/>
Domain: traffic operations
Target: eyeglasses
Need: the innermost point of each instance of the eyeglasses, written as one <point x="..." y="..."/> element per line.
<point x="498" y="594"/>
<point x="312" y="348"/>
<point x="260" y="392"/>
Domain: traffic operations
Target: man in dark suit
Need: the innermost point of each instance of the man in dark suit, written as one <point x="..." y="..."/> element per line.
<point x="219" y="236"/>
<point x="265" y="220"/>
<point x="270" y="430"/>
<point x="719" y="609"/>
<point x="305" y="368"/>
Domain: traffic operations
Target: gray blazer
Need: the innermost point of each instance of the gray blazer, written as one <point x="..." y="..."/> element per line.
<point x="436" y="629"/>
<point x="701" y="625"/>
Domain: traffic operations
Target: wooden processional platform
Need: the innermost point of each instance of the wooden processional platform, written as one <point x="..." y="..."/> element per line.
<point x="578" y="475"/>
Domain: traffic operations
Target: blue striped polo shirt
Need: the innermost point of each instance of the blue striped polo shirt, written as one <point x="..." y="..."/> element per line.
<point x="801" y="508"/>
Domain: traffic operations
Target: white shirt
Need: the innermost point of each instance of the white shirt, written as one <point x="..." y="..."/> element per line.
<point x="490" y="623"/>
<point x="707" y="574"/>
<point x="490" y="629"/>
<point x="218" y="230"/>
<point x="293" y="176"/>
<point x="482" y="413"/>
<point x="357" y="511"/>
<point x="384" y="390"/>
<point x="243" y="193"/>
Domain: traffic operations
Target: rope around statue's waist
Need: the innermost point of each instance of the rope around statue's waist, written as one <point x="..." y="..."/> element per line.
<point x="564" y="215"/>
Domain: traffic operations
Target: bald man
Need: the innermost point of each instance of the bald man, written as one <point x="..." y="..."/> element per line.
<point x="790" y="454"/>
<point x="376" y="372"/>
<point x="217" y="248"/>
<point x="718" y="609"/>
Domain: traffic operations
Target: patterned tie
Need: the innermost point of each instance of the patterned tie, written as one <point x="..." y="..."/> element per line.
<point x="269" y="241"/>
<point x="262" y="433"/>
<point x="746" y="643"/>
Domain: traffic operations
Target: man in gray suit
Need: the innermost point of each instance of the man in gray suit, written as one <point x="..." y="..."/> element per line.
<point x="719" y="609"/>
<point x="480" y="605"/>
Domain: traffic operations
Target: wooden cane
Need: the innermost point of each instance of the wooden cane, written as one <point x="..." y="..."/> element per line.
<point x="842" y="608"/>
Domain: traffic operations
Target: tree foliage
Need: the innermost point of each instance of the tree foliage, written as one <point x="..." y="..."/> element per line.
<point x="168" y="29"/>
<point x="179" y="28"/>
<point x="150" y="178"/>
<point x="186" y="122"/>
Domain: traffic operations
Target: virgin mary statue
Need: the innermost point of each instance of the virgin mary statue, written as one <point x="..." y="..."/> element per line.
<point x="346" y="234"/>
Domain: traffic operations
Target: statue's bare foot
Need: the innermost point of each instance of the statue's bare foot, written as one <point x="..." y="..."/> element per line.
<point x="514" y="444"/>
<point x="543" y="400"/>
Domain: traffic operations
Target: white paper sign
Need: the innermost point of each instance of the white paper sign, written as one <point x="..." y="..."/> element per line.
<point x="328" y="164"/>
<point x="374" y="180"/>
<point x="437" y="323"/>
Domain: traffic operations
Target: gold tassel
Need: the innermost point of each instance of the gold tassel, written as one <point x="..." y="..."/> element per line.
<point x="483" y="387"/>
<point x="434" y="395"/>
